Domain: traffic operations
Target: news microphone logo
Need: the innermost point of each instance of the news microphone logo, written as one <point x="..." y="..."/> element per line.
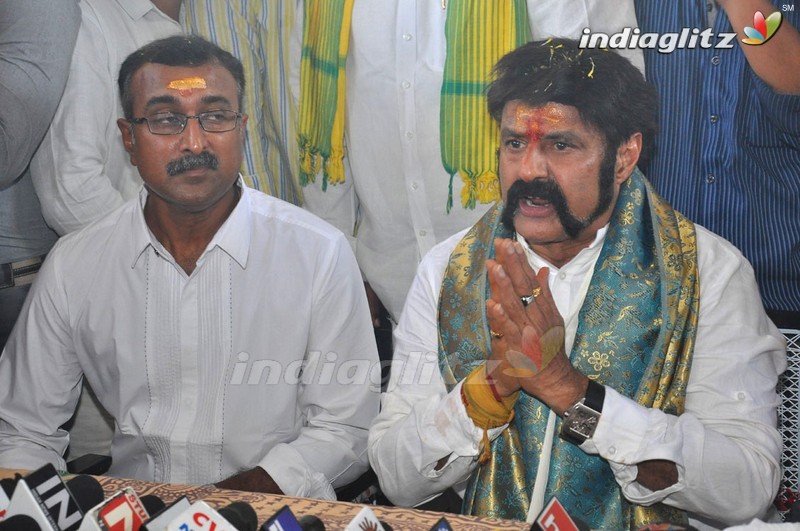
<point x="554" y="517"/>
<point x="283" y="520"/>
<point x="763" y="28"/>
<point x="122" y="512"/>
<point x="61" y="507"/>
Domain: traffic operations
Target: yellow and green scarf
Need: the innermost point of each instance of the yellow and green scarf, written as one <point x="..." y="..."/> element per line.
<point x="477" y="34"/>
<point x="635" y="333"/>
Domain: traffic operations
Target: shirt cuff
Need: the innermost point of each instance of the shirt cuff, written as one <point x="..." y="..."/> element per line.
<point x="629" y="433"/>
<point x="457" y="431"/>
<point x="291" y="472"/>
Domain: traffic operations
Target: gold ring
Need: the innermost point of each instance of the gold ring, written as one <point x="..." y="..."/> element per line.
<point x="495" y="335"/>
<point x="529" y="299"/>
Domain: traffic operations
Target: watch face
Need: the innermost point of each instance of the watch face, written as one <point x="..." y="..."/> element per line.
<point x="582" y="421"/>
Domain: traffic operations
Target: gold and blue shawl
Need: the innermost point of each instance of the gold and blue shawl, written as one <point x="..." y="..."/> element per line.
<point x="635" y="333"/>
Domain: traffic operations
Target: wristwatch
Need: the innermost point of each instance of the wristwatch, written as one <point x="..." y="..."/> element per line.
<point x="581" y="419"/>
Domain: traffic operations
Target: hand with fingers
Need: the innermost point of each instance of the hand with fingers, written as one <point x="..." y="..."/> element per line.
<point x="527" y="332"/>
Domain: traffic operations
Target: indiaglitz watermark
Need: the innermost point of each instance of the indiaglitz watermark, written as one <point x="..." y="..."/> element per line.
<point x="761" y="31"/>
<point x="329" y="368"/>
<point x="633" y="38"/>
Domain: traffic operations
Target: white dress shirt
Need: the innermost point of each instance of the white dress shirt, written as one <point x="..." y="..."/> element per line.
<point x="393" y="201"/>
<point x="264" y="355"/>
<point x="81" y="170"/>
<point x="725" y="445"/>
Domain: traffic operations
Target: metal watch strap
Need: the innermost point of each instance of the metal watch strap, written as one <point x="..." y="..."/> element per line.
<point x="585" y="412"/>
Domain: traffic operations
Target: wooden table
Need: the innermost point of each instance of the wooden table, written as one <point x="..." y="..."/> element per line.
<point x="335" y="515"/>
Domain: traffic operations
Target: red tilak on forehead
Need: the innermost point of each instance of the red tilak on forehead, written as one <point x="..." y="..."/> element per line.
<point x="537" y="120"/>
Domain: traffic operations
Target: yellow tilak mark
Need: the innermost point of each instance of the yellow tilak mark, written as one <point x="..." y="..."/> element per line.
<point x="187" y="85"/>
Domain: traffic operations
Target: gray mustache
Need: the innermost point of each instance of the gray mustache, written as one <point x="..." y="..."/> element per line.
<point x="191" y="162"/>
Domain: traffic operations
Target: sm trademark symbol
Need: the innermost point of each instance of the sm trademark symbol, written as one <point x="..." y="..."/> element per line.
<point x="787" y="7"/>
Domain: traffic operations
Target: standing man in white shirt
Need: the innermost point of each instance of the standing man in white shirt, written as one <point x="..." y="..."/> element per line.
<point x="226" y="331"/>
<point x="393" y="203"/>
<point x="583" y="340"/>
<point x="81" y="171"/>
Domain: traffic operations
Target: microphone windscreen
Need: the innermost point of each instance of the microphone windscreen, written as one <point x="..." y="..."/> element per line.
<point x="310" y="522"/>
<point x="241" y="515"/>
<point x="19" y="522"/>
<point x="86" y="490"/>
<point x="152" y="504"/>
<point x="8" y="484"/>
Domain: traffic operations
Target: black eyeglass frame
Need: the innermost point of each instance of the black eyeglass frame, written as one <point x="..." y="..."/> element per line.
<point x="200" y="118"/>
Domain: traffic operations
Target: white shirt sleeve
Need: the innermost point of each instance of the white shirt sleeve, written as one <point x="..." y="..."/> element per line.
<point x="30" y="413"/>
<point x="69" y="169"/>
<point x="420" y="423"/>
<point x="727" y="432"/>
<point x="337" y="403"/>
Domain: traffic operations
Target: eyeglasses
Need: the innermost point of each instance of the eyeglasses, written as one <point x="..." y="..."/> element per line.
<point x="173" y="123"/>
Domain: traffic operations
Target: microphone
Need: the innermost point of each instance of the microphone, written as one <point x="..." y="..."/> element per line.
<point x="6" y="490"/>
<point x="200" y="516"/>
<point x="123" y="511"/>
<point x="159" y="520"/>
<point x="19" y="522"/>
<point x="554" y="517"/>
<point x="152" y="504"/>
<point x="285" y="520"/>
<point x="87" y="491"/>
<point x="441" y="525"/>
<point x="241" y="515"/>
<point x="43" y="496"/>
<point x="365" y="519"/>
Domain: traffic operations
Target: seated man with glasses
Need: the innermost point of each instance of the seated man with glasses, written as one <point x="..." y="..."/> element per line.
<point x="227" y="332"/>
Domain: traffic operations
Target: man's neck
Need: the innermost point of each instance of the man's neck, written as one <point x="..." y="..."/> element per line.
<point x="187" y="234"/>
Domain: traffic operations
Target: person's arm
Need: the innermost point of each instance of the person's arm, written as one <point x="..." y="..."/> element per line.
<point x="727" y="432"/>
<point x="777" y="61"/>
<point x="337" y="409"/>
<point x="40" y="377"/>
<point x="69" y="170"/>
<point x="423" y="441"/>
<point x="36" y="42"/>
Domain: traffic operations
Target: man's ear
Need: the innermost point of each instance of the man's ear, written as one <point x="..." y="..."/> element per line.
<point x="627" y="157"/>
<point x="128" y="138"/>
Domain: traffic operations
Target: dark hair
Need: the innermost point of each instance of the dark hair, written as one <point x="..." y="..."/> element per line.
<point x="179" y="50"/>
<point x="610" y="94"/>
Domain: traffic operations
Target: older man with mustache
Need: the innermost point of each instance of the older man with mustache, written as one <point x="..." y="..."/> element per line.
<point x="583" y="340"/>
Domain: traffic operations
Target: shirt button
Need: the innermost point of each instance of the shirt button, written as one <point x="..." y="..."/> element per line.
<point x="612" y="450"/>
<point x="409" y="135"/>
<point x="740" y="396"/>
<point x="423" y="233"/>
<point x="406" y="37"/>
<point x="714" y="118"/>
<point x="414" y="185"/>
<point x="405" y="84"/>
<point x="562" y="275"/>
<point x="710" y="179"/>
<point x="715" y="60"/>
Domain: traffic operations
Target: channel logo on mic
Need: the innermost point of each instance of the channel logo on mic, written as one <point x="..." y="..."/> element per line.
<point x="763" y="28"/>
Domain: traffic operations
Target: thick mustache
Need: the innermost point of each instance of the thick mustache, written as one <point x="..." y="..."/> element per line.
<point x="191" y="162"/>
<point x="548" y="190"/>
<point x="545" y="189"/>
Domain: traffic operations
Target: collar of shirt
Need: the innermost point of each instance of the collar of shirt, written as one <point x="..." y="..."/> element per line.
<point x="233" y="237"/>
<point x="137" y="9"/>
